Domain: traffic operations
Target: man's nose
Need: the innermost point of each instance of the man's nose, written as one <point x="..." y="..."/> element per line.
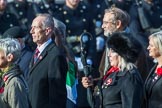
<point x="102" y="26"/>
<point x="31" y="30"/>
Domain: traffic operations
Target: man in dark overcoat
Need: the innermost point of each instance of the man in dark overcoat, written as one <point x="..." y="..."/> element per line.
<point x="47" y="74"/>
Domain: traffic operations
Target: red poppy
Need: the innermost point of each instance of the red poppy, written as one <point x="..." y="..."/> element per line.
<point x="1" y="90"/>
<point x="109" y="81"/>
<point x="40" y="57"/>
<point x="159" y="71"/>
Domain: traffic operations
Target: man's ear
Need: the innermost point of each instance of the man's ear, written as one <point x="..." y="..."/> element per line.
<point x="10" y="57"/>
<point x="118" y="24"/>
<point x="48" y="30"/>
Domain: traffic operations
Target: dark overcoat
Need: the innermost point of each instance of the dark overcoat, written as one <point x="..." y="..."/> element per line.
<point x="123" y="90"/>
<point x="47" y="79"/>
<point x="153" y="90"/>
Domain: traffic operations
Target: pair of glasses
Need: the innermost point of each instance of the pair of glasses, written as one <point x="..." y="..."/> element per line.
<point x="106" y="22"/>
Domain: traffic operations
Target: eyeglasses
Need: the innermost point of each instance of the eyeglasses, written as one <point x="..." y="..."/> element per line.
<point x="106" y="22"/>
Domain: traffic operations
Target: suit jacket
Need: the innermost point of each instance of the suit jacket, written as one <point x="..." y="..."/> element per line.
<point x="123" y="90"/>
<point x="47" y="79"/>
<point x="24" y="60"/>
<point x="153" y="90"/>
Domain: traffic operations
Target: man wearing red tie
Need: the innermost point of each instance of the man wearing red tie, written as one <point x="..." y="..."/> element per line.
<point x="47" y="76"/>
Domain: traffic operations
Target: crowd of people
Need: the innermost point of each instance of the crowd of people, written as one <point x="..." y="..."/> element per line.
<point x="41" y="47"/>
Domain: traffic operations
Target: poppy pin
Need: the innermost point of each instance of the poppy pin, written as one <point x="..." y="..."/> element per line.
<point x="40" y="57"/>
<point x="109" y="81"/>
<point x="1" y="90"/>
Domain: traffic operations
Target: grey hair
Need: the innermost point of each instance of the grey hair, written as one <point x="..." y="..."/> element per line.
<point x="119" y="14"/>
<point x="59" y="25"/>
<point x="10" y="46"/>
<point x="157" y="39"/>
<point x="48" y="22"/>
<point x="124" y="64"/>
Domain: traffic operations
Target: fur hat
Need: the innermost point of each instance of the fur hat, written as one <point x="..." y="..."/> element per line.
<point x="125" y="45"/>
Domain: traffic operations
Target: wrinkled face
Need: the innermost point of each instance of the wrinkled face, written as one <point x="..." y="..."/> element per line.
<point x="39" y="34"/>
<point x="3" y="59"/>
<point x="113" y="58"/>
<point x="3" y="4"/>
<point x="109" y="25"/>
<point x="73" y="3"/>
<point x="153" y="50"/>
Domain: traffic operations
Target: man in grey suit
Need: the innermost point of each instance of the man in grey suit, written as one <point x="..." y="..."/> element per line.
<point x="47" y="74"/>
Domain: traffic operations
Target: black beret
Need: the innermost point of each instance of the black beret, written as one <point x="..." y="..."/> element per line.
<point x="125" y="45"/>
<point x="14" y="32"/>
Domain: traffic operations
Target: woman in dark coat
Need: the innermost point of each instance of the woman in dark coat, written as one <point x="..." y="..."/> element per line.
<point x="122" y="85"/>
<point x="153" y="83"/>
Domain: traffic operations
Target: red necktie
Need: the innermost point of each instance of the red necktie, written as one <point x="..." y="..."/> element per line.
<point x="36" y="55"/>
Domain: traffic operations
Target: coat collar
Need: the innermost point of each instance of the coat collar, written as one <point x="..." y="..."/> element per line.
<point x="153" y="82"/>
<point x="151" y="72"/>
<point x="41" y="57"/>
<point x="14" y="71"/>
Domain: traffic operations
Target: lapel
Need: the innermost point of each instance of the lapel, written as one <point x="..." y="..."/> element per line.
<point x="156" y="78"/>
<point x="153" y="84"/>
<point x="150" y="73"/>
<point x="112" y="79"/>
<point x="41" y="57"/>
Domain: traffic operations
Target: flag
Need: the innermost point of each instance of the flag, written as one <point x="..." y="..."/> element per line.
<point x="71" y="82"/>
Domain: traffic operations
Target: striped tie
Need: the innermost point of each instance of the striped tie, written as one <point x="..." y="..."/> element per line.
<point x="36" y="55"/>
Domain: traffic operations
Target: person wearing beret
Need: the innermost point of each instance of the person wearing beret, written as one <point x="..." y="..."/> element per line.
<point x="26" y="52"/>
<point x="122" y="85"/>
<point x="153" y="83"/>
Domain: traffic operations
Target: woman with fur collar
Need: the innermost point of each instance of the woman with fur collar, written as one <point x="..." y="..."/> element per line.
<point x="122" y="85"/>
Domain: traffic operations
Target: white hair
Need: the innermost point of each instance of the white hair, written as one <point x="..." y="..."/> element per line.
<point x="10" y="46"/>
